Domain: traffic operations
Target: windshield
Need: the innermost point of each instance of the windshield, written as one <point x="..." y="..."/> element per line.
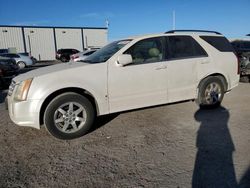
<point x="106" y="52"/>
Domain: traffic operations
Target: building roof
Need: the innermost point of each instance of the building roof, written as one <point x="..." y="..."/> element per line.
<point x="56" y="27"/>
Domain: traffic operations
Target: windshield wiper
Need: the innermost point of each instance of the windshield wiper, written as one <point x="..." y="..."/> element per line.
<point x="86" y="61"/>
<point x="89" y="61"/>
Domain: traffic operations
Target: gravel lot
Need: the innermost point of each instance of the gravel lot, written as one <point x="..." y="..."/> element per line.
<point x="174" y="145"/>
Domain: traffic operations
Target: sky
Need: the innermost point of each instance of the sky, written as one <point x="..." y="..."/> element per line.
<point x="132" y="17"/>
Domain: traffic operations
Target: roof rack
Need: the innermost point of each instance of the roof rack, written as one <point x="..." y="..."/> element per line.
<point x="205" y="31"/>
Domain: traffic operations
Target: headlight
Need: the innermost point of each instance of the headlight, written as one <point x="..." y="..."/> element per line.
<point x="22" y="90"/>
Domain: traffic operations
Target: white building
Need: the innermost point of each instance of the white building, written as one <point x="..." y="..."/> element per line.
<point x="43" y="42"/>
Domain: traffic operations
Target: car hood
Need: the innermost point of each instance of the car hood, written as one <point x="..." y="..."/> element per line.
<point x="48" y="70"/>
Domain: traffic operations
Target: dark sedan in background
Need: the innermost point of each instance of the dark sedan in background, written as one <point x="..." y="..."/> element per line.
<point x="8" y="70"/>
<point x="242" y="49"/>
<point x="64" y="54"/>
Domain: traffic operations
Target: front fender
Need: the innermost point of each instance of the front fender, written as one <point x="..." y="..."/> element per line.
<point x="43" y="86"/>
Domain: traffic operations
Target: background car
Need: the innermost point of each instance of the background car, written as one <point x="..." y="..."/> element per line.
<point x="241" y="46"/>
<point x="82" y="55"/>
<point x="3" y="51"/>
<point x="242" y="49"/>
<point x="31" y="57"/>
<point x="8" y="69"/>
<point x="21" y="60"/>
<point x="64" y="54"/>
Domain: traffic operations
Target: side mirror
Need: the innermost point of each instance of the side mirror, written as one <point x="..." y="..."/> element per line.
<point x="124" y="59"/>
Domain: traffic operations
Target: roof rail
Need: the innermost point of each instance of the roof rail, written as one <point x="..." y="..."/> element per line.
<point x="205" y="31"/>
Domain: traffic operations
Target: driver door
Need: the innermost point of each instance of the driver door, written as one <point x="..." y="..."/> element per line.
<point x="143" y="82"/>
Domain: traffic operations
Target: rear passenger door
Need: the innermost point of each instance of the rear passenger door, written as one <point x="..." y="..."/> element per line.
<point x="184" y="55"/>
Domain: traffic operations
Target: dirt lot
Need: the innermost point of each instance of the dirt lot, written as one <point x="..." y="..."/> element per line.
<point x="175" y="145"/>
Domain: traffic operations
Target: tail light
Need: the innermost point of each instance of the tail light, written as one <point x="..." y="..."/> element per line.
<point x="1" y="72"/>
<point x="238" y="63"/>
<point x="74" y="56"/>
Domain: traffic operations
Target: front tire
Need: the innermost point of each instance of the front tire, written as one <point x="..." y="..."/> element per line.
<point x="63" y="59"/>
<point x="69" y="116"/>
<point x="211" y="92"/>
<point x="21" y="65"/>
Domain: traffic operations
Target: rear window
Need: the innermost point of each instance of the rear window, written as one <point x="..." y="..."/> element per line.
<point x="220" y="43"/>
<point x="74" y="51"/>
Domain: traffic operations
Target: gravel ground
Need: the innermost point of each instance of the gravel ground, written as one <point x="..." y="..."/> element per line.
<point x="174" y="145"/>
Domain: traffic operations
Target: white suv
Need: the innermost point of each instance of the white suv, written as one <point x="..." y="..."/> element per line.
<point x="127" y="74"/>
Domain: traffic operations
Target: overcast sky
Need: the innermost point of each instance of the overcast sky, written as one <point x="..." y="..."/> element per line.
<point x="135" y="17"/>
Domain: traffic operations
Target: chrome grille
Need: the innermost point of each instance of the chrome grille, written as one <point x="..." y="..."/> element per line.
<point x="11" y="87"/>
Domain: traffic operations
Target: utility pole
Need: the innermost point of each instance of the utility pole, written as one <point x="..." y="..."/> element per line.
<point x="173" y="19"/>
<point x="107" y="23"/>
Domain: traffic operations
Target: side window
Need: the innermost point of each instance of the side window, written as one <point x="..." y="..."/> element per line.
<point x="218" y="42"/>
<point x="9" y="55"/>
<point x="184" y="47"/>
<point x="3" y="50"/>
<point x="13" y="56"/>
<point x="147" y="51"/>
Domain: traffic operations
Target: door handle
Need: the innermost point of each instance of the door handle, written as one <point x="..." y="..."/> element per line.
<point x="204" y="61"/>
<point x="161" y="67"/>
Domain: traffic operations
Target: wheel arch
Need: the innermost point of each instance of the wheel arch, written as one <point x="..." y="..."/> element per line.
<point x="218" y="75"/>
<point x="20" y="61"/>
<point x="80" y="91"/>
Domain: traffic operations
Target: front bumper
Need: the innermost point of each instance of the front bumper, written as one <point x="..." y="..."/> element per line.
<point x="24" y="113"/>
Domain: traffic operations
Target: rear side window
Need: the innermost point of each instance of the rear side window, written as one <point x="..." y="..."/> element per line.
<point x="184" y="47"/>
<point x="220" y="43"/>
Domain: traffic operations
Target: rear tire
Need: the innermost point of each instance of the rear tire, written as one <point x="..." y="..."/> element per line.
<point x="211" y="92"/>
<point x="69" y="116"/>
